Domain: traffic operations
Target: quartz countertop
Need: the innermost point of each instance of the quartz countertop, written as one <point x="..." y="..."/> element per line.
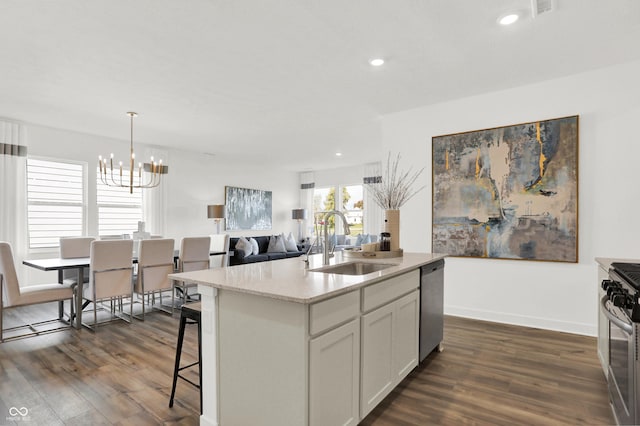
<point x="290" y="280"/>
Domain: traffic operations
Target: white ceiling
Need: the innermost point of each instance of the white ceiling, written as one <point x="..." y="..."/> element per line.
<point x="286" y="81"/>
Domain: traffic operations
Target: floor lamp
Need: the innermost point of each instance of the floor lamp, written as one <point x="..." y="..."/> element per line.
<point x="299" y="215"/>
<point x="216" y="212"/>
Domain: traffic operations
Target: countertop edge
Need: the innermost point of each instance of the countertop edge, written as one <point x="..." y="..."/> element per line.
<point x="318" y="298"/>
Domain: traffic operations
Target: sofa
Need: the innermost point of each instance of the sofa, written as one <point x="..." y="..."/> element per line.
<point x="239" y="258"/>
<point x="340" y="241"/>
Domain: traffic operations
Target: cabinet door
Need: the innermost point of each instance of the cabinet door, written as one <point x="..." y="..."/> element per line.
<point x="405" y="335"/>
<point x="334" y="376"/>
<point x="377" y="357"/>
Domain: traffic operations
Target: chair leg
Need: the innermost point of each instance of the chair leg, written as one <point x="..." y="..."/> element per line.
<point x="143" y="303"/>
<point x="200" y="360"/>
<point x="176" y="369"/>
<point x="1" y="307"/>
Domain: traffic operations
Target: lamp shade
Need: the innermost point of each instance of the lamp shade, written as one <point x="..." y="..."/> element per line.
<point x="299" y="214"/>
<point x="215" y="211"/>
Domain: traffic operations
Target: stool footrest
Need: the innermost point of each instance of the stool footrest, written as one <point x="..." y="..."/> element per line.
<point x="189" y="381"/>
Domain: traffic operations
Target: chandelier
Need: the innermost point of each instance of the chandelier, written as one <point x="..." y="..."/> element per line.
<point x="111" y="178"/>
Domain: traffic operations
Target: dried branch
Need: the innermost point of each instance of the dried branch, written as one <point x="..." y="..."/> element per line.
<point x="395" y="188"/>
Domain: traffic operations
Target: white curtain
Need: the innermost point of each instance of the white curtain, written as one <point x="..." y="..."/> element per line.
<point x="13" y="190"/>
<point x="307" y="186"/>
<point x="373" y="215"/>
<point x="153" y="200"/>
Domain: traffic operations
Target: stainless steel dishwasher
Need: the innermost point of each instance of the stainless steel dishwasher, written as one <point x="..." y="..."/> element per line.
<point x="431" y="308"/>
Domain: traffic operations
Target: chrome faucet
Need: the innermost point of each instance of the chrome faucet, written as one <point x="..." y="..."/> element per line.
<point x="326" y="254"/>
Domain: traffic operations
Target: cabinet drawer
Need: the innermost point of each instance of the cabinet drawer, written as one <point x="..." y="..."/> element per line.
<point x="329" y="313"/>
<point x="378" y="294"/>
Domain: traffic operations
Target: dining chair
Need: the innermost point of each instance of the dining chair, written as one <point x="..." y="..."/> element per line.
<point x="73" y="248"/>
<point x="155" y="263"/>
<point x="12" y="295"/>
<point x="194" y="255"/>
<point x="110" y="278"/>
<point x="219" y="242"/>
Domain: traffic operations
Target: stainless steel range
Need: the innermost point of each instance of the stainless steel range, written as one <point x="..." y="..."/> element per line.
<point x="622" y="308"/>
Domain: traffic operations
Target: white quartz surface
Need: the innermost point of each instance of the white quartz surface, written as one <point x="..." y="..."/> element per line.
<point x="288" y="279"/>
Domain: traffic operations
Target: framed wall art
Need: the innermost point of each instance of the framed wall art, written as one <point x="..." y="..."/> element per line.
<point x="247" y="209"/>
<point x="508" y="193"/>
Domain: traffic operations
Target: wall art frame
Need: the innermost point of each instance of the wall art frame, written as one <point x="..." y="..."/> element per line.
<point x="248" y="209"/>
<point x="507" y="192"/>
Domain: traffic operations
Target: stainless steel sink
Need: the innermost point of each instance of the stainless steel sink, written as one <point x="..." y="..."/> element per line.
<point x="353" y="268"/>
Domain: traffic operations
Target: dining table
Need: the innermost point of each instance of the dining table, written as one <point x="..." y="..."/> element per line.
<point x="79" y="264"/>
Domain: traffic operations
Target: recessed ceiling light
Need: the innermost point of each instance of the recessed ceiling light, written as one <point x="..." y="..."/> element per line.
<point x="508" y="19"/>
<point x="338" y="154"/>
<point x="376" y="62"/>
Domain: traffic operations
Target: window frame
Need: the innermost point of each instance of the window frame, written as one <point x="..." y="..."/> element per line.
<point x="338" y="227"/>
<point x="83" y="205"/>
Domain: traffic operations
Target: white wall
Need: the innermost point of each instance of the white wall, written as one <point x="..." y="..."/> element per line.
<point x="194" y="181"/>
<point x="198" y="180"/>
<point x="556" y="296"/>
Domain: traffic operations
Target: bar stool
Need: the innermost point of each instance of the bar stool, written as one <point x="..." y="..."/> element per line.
<point x="190" y="315"/>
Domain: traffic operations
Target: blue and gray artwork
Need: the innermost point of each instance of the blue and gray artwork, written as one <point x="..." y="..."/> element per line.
<point x="248" y="209"/>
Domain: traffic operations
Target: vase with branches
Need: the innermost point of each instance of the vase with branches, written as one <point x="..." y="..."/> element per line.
<point x="391" y="189"/>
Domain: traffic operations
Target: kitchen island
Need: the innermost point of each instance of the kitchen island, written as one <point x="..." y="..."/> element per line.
<point x="285" y="343"/>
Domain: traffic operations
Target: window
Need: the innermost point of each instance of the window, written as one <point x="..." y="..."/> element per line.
<point x="349" y="200"/>
<point x="118" y="210"/>
<point x="55" y="201"/>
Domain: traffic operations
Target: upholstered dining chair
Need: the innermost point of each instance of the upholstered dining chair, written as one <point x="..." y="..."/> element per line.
<point x="219" y="242"/>
<point x="155" y="263"/>
<point x="72" y="248"/>
<point x="110" y="277"/>
<point x="194" y="255"/>
<point x="12" y="295"/>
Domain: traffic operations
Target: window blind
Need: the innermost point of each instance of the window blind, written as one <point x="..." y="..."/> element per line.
<point x="118" y="210"/>
<point x="55" y="201"/>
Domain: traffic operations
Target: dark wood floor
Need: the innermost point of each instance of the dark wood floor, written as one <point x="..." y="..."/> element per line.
<point x="489" y="374"/>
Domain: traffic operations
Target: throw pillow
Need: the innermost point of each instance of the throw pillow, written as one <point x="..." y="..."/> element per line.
<point x="340" y="239"/>
<point x="245" y="246"/>
<point x="254" y="246"/>
<point x="276" y="245"/>
<point x="366" y="239"/>
<point x="359" y="238"/>
<point x="290" y="242"/>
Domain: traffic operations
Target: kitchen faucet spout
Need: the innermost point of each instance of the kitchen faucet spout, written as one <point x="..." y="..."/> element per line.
<point x="326" y="254"/>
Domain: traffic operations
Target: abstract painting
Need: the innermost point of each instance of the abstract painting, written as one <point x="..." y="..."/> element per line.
<point x="508" y="192"/>
<point x="247" y="209"/>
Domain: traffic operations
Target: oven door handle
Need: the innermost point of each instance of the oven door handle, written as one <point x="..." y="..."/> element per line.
<point x="626" y="327"/>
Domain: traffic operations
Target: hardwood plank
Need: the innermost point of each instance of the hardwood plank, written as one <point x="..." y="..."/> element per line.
<point x="488" y="374"/>
<point x="501" y="374"/>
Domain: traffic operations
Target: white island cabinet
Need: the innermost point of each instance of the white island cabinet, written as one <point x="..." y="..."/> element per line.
<point x="286" y="345"/>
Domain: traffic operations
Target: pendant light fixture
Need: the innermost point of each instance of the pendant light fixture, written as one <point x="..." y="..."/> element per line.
<point x="111" y="178"/>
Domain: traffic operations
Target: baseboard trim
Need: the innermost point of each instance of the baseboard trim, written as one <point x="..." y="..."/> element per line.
<point x="523" y="320"/>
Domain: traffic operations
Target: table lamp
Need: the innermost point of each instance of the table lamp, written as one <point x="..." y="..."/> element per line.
<point x="216" y="212"/>
<point x="299" y="215"/>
